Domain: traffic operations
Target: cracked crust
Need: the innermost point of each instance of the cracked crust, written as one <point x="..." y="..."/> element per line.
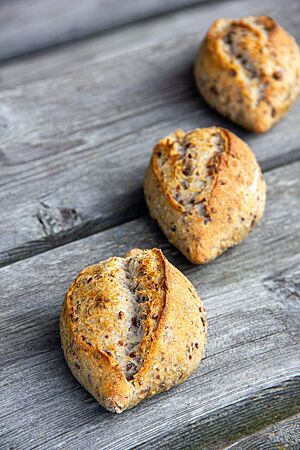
<point x="131" y="328"/>
<point x="206" y="191"/>
<point x="248" y="69"/>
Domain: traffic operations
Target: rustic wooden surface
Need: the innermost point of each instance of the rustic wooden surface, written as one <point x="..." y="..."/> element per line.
<point x="77" y="124"/>
<point x="249" y="378"/>
<point x="274" y="437"/>
<point x="192" y="21"/>
<point x="71" y="143"/>
<point x="30" y="25"/>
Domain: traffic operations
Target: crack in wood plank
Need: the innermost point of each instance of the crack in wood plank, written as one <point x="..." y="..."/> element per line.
<point x="284" y="435"/>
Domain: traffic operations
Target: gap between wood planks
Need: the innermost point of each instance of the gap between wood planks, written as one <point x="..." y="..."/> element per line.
<point x="284" y="435"/>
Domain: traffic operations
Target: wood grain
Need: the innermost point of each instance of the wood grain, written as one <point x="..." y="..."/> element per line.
<point x="74" y="148"/>
<point x="30" y="25"/>
<point x="192" y="21"/>
<point x="249" y="378"/>
<point x="282" y="435"/>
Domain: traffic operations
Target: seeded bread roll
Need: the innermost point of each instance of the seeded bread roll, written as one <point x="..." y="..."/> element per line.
<point x="206" y="191"/>
<point x="249" y="70"/>
<point x="132" y="327"/>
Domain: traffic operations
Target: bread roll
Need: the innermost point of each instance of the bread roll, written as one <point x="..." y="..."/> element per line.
<point x="132" y="327"/>
<point x="249" y="70"/>
<point x="206" y="191"/>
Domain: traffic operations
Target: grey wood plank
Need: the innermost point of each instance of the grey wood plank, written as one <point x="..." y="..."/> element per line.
<point x="29" y="25"/>
<point x="249" y="378"/>
<point x="282" y="435"/>
<point x="194" y="20"/>
<point x="74" y="147"/>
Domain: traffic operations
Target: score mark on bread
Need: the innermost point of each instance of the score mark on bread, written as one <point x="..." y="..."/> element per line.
<point x="206" y="191"/>
<point x="132" y="327"/>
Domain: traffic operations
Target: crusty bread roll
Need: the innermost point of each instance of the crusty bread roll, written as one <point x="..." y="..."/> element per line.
<point x="132" y="327"/>
<point x="249" y="70"/>
<point x="206" y="191"/>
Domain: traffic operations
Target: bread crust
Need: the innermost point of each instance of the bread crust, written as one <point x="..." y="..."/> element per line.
<point x="202" y="221"/>
<point x="176" y="343"/>
<point x="248" y="69"/>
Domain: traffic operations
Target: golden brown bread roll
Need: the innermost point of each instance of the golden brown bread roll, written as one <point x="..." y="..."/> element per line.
<point x="249" y="70"/>
<point x="132" y="327"/>
<point x="206" y="191"/>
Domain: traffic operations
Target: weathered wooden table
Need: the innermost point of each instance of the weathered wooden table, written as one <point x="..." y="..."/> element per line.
<point x="77" y="125"/>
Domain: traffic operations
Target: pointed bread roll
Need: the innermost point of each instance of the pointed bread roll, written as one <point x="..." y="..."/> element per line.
<point x="206" y="191"/>
<point x="248" y="69"/>
<point x="131" y="328"/>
